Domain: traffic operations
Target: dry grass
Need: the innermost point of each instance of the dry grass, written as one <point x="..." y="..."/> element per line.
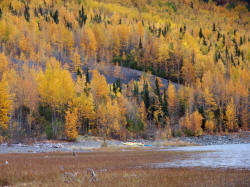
<point x="117" y="168"/>
<point x="174" y="143"/>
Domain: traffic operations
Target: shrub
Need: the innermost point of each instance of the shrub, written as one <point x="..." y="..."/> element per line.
<point x="171" y="5"/>
<point x="49" y="131"/>
<point x="230" y="6"/>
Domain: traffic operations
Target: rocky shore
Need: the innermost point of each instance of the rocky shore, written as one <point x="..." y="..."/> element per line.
<point x="237" y="138"/>
<point x="90" y="144"/>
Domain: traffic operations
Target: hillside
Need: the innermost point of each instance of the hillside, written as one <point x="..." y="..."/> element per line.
<point x="54" y="53"/>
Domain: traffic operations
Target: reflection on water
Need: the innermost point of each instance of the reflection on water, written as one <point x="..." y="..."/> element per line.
<point x="215" y="156"/>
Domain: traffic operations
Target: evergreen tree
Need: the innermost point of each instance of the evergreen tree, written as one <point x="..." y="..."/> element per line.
<point x="26" y="13"/>
<point x="135" y="90"/>
<point x="165" y="103"/>
<point x="241" y="41"/>
<point x="226" y="52"/>
<point x="140" y="44"/>
<point x="180" y="29"/>
<point x="237" y="51"/>
<point x="232" y="59"/>
<point x="117" y="86"/>
<point x="218" y="36"/>
<point x="157" y="90"/>
<point x="204" y="42"/>
<point x="200" y="33"/>
<point x="0" y="13"/>
<point x="55" y="17"/>
<point x="87" y="76"/>
<point x="145" y="95"/>
<point x="82" y="17"/>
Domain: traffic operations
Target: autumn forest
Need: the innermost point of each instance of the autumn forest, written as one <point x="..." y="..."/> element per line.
<point x="52" y="51"/>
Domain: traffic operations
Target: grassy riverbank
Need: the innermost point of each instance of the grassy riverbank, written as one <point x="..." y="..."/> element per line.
<point x="112" y="168"/>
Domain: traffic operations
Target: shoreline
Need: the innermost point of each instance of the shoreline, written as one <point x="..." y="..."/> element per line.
<point x="90" y="144"/>
<point x="234" y="138"/>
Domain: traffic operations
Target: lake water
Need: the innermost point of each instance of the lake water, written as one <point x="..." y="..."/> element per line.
<point x="214" y="156"/>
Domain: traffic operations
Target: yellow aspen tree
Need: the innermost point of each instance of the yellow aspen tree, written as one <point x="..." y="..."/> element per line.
<point x="86" y="110"/>
<point x="76" y="61"/>
<point x="231" y="120"/>
<point x="124" y="35"/>
<point x="116" y="116"/>
<point x="171" y="92"/>
<point x="245" y="119"/>
<point x="71" y="119"/>
<point x="5" y="104"/>
<point x="140" y="29"/>
<point x="196" y="122"/>
<point x="117" y="71"/>
<point x="142" y="112"/>
<point x="188" y="72"/>
<point x="209" y="126"/>
<point x="89" y="43"/>
<point x="163" y="53"/>
<point x="102" y="119"/>
<point x="4" y="64"/>
<point x="99" y="85"/>
<point x="86" y="106"/>
<point x="210" y="104"/>
<point x="116" y="42"/>
<point x="55" y="86"/>
<point x="110" y="118"/>
<point x="185" y="122"/>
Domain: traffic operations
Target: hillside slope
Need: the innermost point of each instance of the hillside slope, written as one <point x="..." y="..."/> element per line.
<point x="202" y="45"/>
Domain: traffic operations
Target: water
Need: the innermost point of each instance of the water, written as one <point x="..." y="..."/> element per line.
<point x="214" y="156"/>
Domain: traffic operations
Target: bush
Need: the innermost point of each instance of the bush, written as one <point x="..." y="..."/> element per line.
<point x="49" y="131"/>
<point x="179" y="133"/>
<point x="171" y="5"/>
<point x="230" y="6"/>
<point x="135" y="125"/>
<point x="188" y="132"/>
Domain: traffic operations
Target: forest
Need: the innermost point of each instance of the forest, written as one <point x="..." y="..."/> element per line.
<point x="51" y="52"/>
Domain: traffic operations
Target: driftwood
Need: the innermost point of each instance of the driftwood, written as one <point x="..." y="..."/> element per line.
<point x="69" y="177"/>
<point x="93" y="175"/>
<point x="74" y="153"/>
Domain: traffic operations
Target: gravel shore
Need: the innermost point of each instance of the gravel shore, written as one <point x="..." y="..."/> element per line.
<point x="238" y="138"/>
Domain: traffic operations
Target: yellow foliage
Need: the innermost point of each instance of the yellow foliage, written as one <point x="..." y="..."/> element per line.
<point x="5" y="104"/>
<point x="209" y="126"/>
<point x="99" y="85"/>
<point x="4" y="64"/>
<point x="192" y="122"/>
<point x="171" y="92"/>
<point x="231" y="120"/>
<point x="71" y="119"/>
<point x="55" y="85"/>
<point x="76" y="61"/>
